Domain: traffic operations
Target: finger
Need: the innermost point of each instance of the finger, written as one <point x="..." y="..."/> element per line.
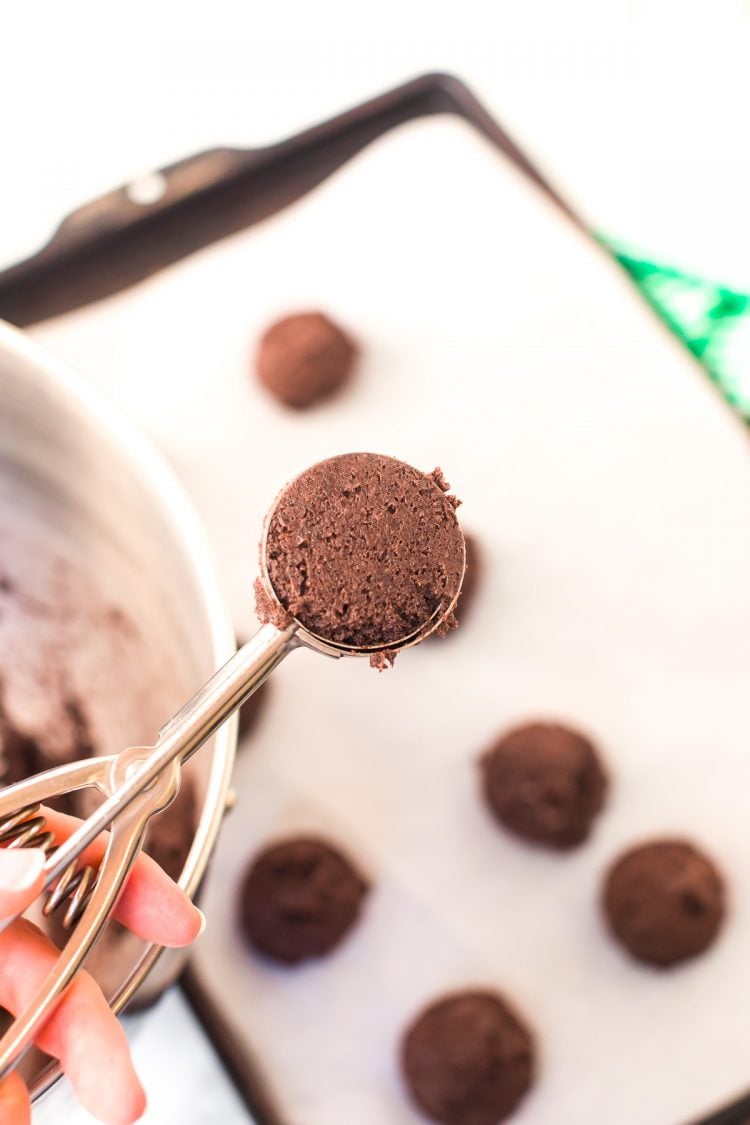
<point x="20" y="879"/>
<point x="151" y="905"/>
<point x="82" y="1032"/>
<point x="15" y="1106"/>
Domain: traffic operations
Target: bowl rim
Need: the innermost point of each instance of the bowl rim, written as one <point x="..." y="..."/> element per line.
<point x="170" y="495"/>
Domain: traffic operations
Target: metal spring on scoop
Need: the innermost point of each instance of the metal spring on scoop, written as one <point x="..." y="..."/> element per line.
<point x="27" y="828"/>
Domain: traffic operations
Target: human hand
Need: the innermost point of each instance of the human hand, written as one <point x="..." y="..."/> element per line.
<point x="82" y="1032"/>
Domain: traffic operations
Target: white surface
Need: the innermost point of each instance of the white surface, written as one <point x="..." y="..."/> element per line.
<point x="179" y="1069"/>
<point x="604" y="488"/>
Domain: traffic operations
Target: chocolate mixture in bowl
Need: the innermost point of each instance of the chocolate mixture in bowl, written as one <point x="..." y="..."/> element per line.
<point x="365" y="551"/>
<point x="78" y="678"/>
<point x="23" y="755"/>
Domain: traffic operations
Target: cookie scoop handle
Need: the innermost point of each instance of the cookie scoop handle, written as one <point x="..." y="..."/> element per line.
<point x="136" y="784"/>
<point x="188" y="729"/>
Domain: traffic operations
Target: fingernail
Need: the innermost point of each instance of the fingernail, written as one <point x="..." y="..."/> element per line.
<point x="20" y="868"/>
<point x="203" y="922"/>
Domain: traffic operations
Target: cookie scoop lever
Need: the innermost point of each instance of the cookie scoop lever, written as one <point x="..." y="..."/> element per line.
<point x="361" y="555"/>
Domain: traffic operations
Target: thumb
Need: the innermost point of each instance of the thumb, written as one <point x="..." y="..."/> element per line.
<point x="21" y="877"/>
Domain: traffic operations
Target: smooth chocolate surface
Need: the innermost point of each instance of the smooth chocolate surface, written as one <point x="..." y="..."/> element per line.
<point x="664" y="901"/>
<point x="364" y="550"/>
<point x="468" y="1059"/>
<point x="545" y="783"/>
<point x="305" y="358"/>
<point x="299" y="899"/>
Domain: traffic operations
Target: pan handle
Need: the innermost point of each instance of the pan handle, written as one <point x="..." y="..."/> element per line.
<point x="130" y="233"/>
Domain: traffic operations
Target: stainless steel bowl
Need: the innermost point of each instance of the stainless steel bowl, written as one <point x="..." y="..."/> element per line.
<point x="104" y="492"/>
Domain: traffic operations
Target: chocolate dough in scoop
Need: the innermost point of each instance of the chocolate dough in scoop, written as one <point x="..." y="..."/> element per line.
<point x="365" y="551"/>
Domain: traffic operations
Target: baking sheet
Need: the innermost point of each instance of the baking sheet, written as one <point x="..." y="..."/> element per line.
<point x="606" y="485"/>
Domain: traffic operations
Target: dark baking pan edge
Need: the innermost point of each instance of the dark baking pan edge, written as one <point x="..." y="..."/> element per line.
<point x="239" y="1066"/>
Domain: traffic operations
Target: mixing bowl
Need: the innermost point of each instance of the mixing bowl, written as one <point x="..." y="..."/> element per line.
<point x="83" y="493"/>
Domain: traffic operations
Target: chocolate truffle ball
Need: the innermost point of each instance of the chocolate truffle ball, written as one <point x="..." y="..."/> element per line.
<point x="299" y="898"/>
<point x="304" y="358"/>
<point x="664" y="901"/>
<point x="468" y="1059"/>
<point x="365" y="551"/>
<point x="545" y="783"/>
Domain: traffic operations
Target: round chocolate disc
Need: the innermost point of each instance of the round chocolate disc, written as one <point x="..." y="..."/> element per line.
<point x="664" y="901"/>
<point x="299" y="898"/>
<point x="365" y="551"/>
<point x="468" y="1059"/>
<point x="545" y="783"/>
